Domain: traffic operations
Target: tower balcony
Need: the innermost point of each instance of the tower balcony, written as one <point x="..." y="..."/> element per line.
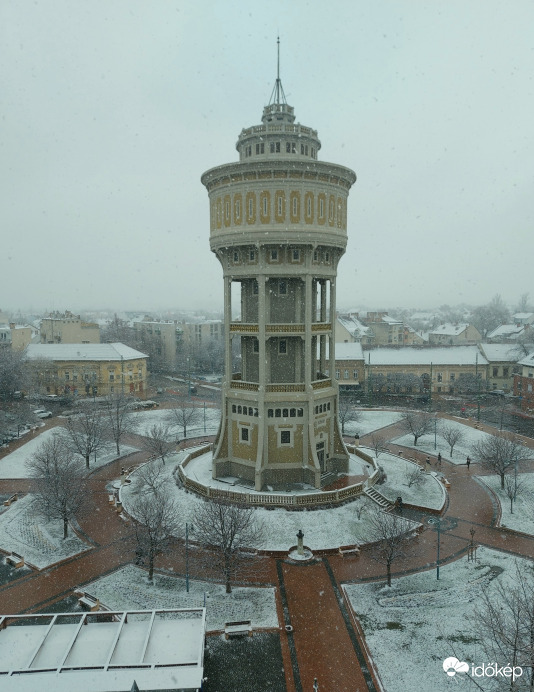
<point x="279" y="387"/>
<point x="291" y="328"/>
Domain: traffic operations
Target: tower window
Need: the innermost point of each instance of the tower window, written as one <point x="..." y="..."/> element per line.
<point x="278" y="413"/>
<point x="260" y="148"/>
<point x="252" y="255"/>
<point x="255" y="288"/>
<point x="285" y="437"/>
<point x="296" y="255"/>
<point x="285" y="413"/>
<point x="274" y="255"/>
<point x="282" y="347"/>
<point x="236" y="256"/>
<point x="292" y="413"/>
<point x="244" y="434"/>
<point x="282" y="288"/>
<point x="256" y="346"/>
<point x="270" y="413"/>
<point x="288" y="147"/>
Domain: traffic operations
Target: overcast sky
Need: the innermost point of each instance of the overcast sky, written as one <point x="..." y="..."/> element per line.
<point x="112" y="109"/>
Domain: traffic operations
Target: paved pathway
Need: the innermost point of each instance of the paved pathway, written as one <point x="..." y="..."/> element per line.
<point x="325" y="642"/>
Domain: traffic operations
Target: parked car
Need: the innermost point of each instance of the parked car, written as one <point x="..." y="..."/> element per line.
<point x="42" y="413"/>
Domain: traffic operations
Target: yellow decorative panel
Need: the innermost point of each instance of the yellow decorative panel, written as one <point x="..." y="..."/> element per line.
<point x="238" y="209"/>
<point x="265" y="207"/>
<point x="321" y="208"/>
<point x="251" y="207"/>
<point x="331" y="210"/>
<point x="294" y="206"/>
<point x="227" y="208"/>
<point x="308" y="207"/>
<point x="339" y="212"/>
<point x="279" y="206"/>
<point x="218" y="212"/>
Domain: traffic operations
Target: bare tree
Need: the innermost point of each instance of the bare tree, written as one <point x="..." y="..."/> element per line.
<point x="61" y="492"/>
<point x="157" y="522"/>
<point x="347" y="412"/>
<point x="391" y="533"/>
<point x="184" y="415"/>
<point x="499" y="452"/>
<point x="417" y="423"/>
<point x="505" y="621"/>
<point x="86" y="432"/>
<point x="414" y="475"/>
<point x="513" y="487"/>
<point x="158" y="442"/>
<point x="151" y="477"/>
<point x="379" y="444"/>
<point x="13" y="373"/>
<point x="119" y="418"/>
<point x="227" y="528"/>
<point x="452" y="434"/>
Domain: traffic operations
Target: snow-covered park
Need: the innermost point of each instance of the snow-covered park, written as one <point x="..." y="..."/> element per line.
<point x="412" y="627"/>
<point x="522" y="517"/>
<point x="433" y="444"/>
<point x="128" y="588"/>
<point x="14" y="465"/>
<point x="24" y="531"/>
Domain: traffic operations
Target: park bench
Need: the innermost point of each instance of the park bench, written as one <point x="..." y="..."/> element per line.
<point x="11" y="499"/>
<point x="349" y="550"/>
<point x="239" y="628"/>
<point x="15" y="559"/>
<point x="88" y="601"/>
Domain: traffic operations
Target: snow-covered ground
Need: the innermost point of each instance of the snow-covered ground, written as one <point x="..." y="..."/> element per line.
<point x="412" y="627"/>
<point x="522" y="518"/>
<point x="323" y="528"/>
<point x="461" y="450"/>
<point x="430" y="492"/>
<point x="144" y="420"/>
<point x="370" y="421"/>
<point x="24" y="531"/>
<point x="128" y="588"/>
<point x="14" y="465"/>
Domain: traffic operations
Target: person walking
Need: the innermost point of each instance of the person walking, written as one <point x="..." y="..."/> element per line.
<point x="439" y="460"/>
<point x="427" y="463"/>
<point x="468" y="462"/>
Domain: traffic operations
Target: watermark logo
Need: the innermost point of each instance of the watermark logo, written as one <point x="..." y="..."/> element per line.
<point x="452" y="666"/>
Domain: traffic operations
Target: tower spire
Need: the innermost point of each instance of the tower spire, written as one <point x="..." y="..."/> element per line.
<point x="278" y="96"/>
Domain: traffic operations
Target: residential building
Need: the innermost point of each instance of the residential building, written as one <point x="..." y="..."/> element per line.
<point x="22" y="335"/>
<point x="349" y="365"/>
<point x="383" y="329"/>
<point x="523" y="318"/>
<point x="524" y="383"/>
<point x="66" y="328"/>
<point x="454" y="335"/>
<point x="502" y="365"/>
<point x="88" y="369"/>
<point x="163" y="340"/>
<point x="510" y="332"/>
<point x="278" y="221"/>
<point x="349" y="329"/>
<point x="438" y="369"/>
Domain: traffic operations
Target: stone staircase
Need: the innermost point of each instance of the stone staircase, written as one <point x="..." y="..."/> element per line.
<point x="327" y="478"/>
<point x="377" y="497"/>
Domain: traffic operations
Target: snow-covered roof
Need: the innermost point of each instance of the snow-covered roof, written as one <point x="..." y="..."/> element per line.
<point x="353" y="325"/>
<point x="450" y="329"/>
<point x="499" y="352"/>
<point x="452" y="355"/>
<point x="159" y="649"/>
<point x="351" y="351"/>
<point x="77" y="352"/>
<point x="509" y="331"/>
<point x="528" y="360"/>
<point x="523" y="315"/>
<point x="391" y="320"/>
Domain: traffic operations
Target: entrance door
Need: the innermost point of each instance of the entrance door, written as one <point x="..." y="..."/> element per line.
<point x="320" y="455"/>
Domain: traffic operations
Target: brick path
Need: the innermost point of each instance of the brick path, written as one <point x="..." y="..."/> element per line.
<point x="324" y="643"/>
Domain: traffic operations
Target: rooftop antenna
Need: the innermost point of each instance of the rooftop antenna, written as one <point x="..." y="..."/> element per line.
<point x="278" y="96"/>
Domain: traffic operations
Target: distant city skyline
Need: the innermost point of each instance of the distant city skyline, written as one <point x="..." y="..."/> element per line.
<point x="111" y="112"/>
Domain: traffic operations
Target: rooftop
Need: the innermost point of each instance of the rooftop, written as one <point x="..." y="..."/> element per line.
<point x="76" y="352"/>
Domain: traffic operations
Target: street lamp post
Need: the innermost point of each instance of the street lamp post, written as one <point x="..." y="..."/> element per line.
<point x="435" y="431"/>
